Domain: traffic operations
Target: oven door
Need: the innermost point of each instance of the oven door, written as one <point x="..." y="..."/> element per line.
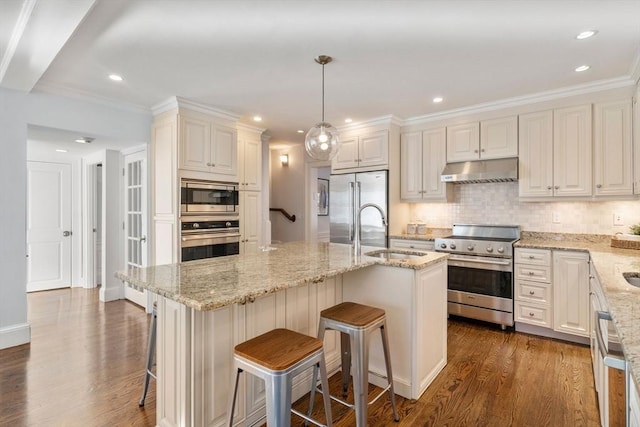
<point x="209" y="245"/>
<point x="208" y="198"/>
<point x="481" y="275"/>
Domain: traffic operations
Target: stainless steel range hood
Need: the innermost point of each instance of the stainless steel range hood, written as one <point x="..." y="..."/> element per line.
<point x="497" y="170"/>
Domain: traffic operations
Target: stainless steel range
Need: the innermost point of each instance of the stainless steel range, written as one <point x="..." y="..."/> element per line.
<point x="480" y="271"/>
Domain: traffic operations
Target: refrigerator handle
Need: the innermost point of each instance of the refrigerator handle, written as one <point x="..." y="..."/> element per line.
<point x="352" y="208"/>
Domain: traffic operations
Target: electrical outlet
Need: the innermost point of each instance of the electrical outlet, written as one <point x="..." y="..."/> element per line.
<point x="617" y="219"/>
<point x="557" y="219"/>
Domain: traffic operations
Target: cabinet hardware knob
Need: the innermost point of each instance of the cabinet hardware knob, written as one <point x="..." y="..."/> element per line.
<point x="531" y="273"/>
<point x="531" y="314"/>
<point x="532" y="293"/>
<point x="549" y="187"/>
<point x="599" y="186"/>
<point x="592" y="277"/>
<point x="557" y="187"/>
<point x="482" y="151"/>
<point x="475" y="151"/>
<point x="532" y="257"/>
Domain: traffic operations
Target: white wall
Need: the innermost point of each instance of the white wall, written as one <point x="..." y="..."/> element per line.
<point x="287" y="186"/>
<point x="323" y="221"/>
<point x="17" y="111"/>
<point x="498" y="203"/>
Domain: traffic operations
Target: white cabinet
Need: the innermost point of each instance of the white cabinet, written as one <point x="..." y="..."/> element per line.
<point x="532" y="287"/>
<point x="418" y="245"/>
<point x="363" y="151"/>
<point x="250" y="221"/>
<point x="489" y="139"/>
<point x="636" y="141"/>
<point x="206" y="146"/>
<point x="249" y="161"/>
<point x="555" y="153"/>
<point x="633" y="411"/>
<point x="422" y="158"/>
<point x="612" y="157"/>
<point x="571" y="292"/>
<point x="596" y="300"/>
<point x="572" y="152"/>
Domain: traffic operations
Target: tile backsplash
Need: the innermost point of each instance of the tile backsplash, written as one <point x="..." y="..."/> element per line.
<point x="498" y="203"/>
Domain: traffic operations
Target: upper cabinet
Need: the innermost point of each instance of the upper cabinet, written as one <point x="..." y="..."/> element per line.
<point x="636" y="140"/>
<point x="555" y="153"/>
<point x="249" y="160"/>
<point x="489" y="139"/>
<point x="422" y="158"/>
<point x="207" y="146"/>
<point x="366" y="150"/>
<point x="612" y="157"/>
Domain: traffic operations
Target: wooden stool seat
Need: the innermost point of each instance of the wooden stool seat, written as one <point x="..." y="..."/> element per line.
<point x="278" y="349"/>
<point x="354" y="314"/>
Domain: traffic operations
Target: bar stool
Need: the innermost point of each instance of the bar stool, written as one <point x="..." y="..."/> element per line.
<point x="151" y="352"/>
<point x="277" y="357"/>
<point x="356" y="323"/>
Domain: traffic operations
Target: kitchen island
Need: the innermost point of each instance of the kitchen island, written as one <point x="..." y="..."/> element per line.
<point x="207" y="307"/>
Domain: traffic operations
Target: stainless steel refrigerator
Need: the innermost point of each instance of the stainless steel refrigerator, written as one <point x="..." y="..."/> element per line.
<point x="347" y="193"/>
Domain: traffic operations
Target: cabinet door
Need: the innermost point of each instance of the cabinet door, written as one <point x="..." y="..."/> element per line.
<point x="612" y="149"/>
<point x="434" y="158"/>
<point x="572" y="171"/>
<point x="250" y="221"/>
<point x="535" y="162"/>
<point x="463" y="142"/>
<point x="571" y="292"/>
<point x="636" y="141"/>
<point x="411" y="166"/>
<point x="347" y="156"/>
<point x="373" y="149"/>
<point x="499" y="138"/>
<point x="224" y="151"/>
<point x="195" y="144"/>
<point x="250" y="164"/>
<point x="421" y="245"/>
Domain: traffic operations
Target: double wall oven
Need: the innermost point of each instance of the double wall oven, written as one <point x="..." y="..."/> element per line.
<point x="210" y="223"/>
<point x="480" y="271"/>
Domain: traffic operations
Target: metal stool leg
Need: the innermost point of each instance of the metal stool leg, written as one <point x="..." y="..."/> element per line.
<point x="151" y="351"/>
<point x="345" y="350"/>
<point x="360" y="344"/>
<point x="278" y="399"/>
<point x="234" y="386"/>
<point x="387" y="361"/>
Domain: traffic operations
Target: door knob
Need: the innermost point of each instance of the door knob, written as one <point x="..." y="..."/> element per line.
<point x="143" y="239"/>
<point x="66" y="233"/>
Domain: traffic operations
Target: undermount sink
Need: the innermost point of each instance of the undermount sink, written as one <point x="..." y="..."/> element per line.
<point x="395" y="255"/>
<point x="632" y="278"/>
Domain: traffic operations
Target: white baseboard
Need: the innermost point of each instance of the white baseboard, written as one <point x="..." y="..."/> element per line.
<point x="11" y="336"/>
<point x="111" y="294"/>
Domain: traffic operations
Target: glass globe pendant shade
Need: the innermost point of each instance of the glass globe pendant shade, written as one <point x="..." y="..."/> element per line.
<point x="322" y="141"/>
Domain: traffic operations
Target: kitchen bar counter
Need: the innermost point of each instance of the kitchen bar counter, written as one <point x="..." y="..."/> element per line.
<point x="218" y="282"/>
<point x="622" y="298"/>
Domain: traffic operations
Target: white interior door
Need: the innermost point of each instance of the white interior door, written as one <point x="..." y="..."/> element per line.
<point x="135" y="223"/>
<point x="48" y="226"/>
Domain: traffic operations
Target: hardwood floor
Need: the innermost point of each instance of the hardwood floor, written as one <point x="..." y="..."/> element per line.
<point x="85" y="364"/>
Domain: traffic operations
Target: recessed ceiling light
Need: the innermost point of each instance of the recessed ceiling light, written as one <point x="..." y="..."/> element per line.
<point x="582" y="68"/>
<point x="60" y="150"/>
<point x="347" y="120"/>
<point x="115" y="77"/>
<point x="85" y="140"/>
<point x="257" y="118"/>
<point x="300" y="131"/>
<point x="586" y="34"/>
<point x="438" y="99"/>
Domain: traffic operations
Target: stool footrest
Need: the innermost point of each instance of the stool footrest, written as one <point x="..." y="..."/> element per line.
<point x="306" y="418"/>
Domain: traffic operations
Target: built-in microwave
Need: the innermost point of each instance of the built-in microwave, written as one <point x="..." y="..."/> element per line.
<point x="208" y="197"/>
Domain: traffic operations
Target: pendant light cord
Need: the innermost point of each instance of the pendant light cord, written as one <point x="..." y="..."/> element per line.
<point x="323" y="93"/>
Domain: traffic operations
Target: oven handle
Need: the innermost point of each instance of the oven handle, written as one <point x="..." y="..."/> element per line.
<point x="609" y="359"/>
<point x="206" y="240"/>
<point x="480" y="261"/>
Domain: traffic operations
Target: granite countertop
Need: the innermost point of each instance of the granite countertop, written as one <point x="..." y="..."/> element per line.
<point x="623" y="300"/>
<point x="432" y="234"/>
<point x="218" y="282"/>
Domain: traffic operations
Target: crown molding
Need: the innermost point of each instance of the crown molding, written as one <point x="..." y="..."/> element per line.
<point x="177" y="102"/>
<point x="377" y="121"/>
<point x="249" y="128"/>
<point x="73" y="93"/>
<point x="16" y="35"/>
<point x="535" y="98"/>
<point x="635" y="69"/>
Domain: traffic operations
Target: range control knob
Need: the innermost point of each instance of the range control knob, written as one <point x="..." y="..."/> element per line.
<point x="452" y="246"/>
<point x="501" y="249"/>
<point x="195" y="225"/>
<point x="443" y="245"/>
<point x="470" y="247"/>
<point x="228" y="224"/>
<point x="489" y="249"/>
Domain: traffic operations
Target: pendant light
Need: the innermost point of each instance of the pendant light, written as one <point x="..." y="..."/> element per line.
<point x="321" y="142"/>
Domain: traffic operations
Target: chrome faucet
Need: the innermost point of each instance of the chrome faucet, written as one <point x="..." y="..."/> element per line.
<point x="356" y="238"/>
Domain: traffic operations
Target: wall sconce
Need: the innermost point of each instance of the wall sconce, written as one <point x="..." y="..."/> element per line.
<point x="284" y="159"/>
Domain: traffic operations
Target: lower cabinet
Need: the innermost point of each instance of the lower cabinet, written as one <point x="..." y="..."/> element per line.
<point x="634" y="403"/>
<point x="250" y="221"/>
<point x="419" y="245"/>
<point x="551" y="290"/>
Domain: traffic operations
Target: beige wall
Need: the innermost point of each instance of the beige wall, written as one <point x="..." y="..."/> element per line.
<point x="287" y="191"/>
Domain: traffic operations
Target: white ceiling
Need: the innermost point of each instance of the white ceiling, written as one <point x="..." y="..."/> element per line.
<point x="256" y="57"/>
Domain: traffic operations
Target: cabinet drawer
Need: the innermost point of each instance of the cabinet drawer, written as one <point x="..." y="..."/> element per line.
<point x="421" y="245"/>
<point x="533" y="256"/>
<point x="533" y="314"/>
<point x="536" y="273"/>
<point x="533" y="292"/>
